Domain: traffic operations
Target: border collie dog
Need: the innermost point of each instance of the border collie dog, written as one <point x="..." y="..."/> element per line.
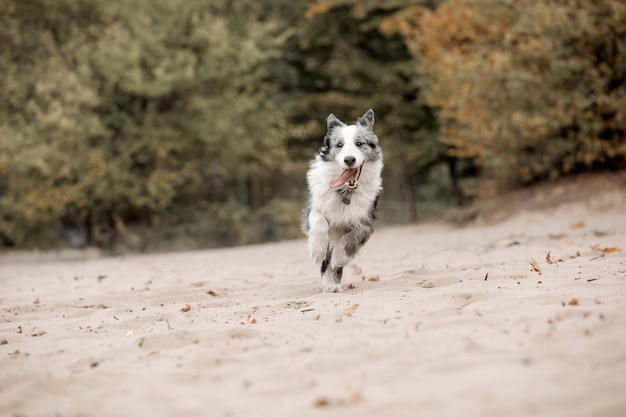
<point x="344" y="184"/>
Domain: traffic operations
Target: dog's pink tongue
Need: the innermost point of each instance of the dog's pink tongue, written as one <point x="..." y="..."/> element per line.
<point x="346" y="176"/>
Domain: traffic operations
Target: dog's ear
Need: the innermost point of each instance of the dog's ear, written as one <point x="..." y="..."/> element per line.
<point x="367" y="120"/>
<point x="332" y="122"/>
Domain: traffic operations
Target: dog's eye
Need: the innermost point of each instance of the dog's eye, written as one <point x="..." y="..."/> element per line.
<point x="359" y="144"/>
<point x="339" y="145"/>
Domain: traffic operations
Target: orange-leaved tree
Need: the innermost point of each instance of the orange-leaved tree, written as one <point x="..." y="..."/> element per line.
<point x="526" y="89"/>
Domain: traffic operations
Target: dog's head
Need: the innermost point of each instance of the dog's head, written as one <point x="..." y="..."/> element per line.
<point x="350" y="146"/>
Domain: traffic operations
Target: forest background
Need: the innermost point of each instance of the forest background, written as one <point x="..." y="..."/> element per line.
<point x="175" y="124"/>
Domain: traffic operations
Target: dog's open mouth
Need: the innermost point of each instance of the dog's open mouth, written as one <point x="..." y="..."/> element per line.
<point x="349" y="178"/>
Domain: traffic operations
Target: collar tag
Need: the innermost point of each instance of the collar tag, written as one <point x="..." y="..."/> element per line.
<point x="345" y="196"/>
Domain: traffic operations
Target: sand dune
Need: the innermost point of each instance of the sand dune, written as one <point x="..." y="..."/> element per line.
<point x="522" y="317"/>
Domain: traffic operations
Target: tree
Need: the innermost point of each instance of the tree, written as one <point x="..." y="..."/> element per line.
<point x="528" y="90"/>
<point x="113" y="113"/>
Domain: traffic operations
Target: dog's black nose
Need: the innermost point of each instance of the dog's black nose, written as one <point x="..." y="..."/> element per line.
<point x="349" y="160"/>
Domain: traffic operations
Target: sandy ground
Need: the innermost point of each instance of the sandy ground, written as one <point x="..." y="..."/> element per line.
<point x="435" y="321"/>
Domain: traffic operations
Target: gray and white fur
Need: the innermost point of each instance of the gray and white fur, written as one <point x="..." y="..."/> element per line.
<point x="344" y="183"/>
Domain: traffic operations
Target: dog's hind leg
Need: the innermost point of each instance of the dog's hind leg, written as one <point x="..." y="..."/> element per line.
<point x="342" y="248"/>
<point x="332" y="266"/>
<point x="331" y="275"/>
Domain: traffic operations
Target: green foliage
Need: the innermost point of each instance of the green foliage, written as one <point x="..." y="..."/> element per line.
<point x="112" y="110"/>
<point x="190" y="122"/>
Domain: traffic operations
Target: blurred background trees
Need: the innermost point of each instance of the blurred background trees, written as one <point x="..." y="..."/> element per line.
<point x="170" y="124"/>
<point x="526" y="90"/>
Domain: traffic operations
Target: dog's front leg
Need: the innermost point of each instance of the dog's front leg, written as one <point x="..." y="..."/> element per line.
<point x="355" y="238"/>
<point x="318" y="237"/>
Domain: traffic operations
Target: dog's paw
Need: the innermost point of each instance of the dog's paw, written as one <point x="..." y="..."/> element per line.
<point x="318" y="249"/>
<point x="317" y="257"/>
<point x="331" y="288"/>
